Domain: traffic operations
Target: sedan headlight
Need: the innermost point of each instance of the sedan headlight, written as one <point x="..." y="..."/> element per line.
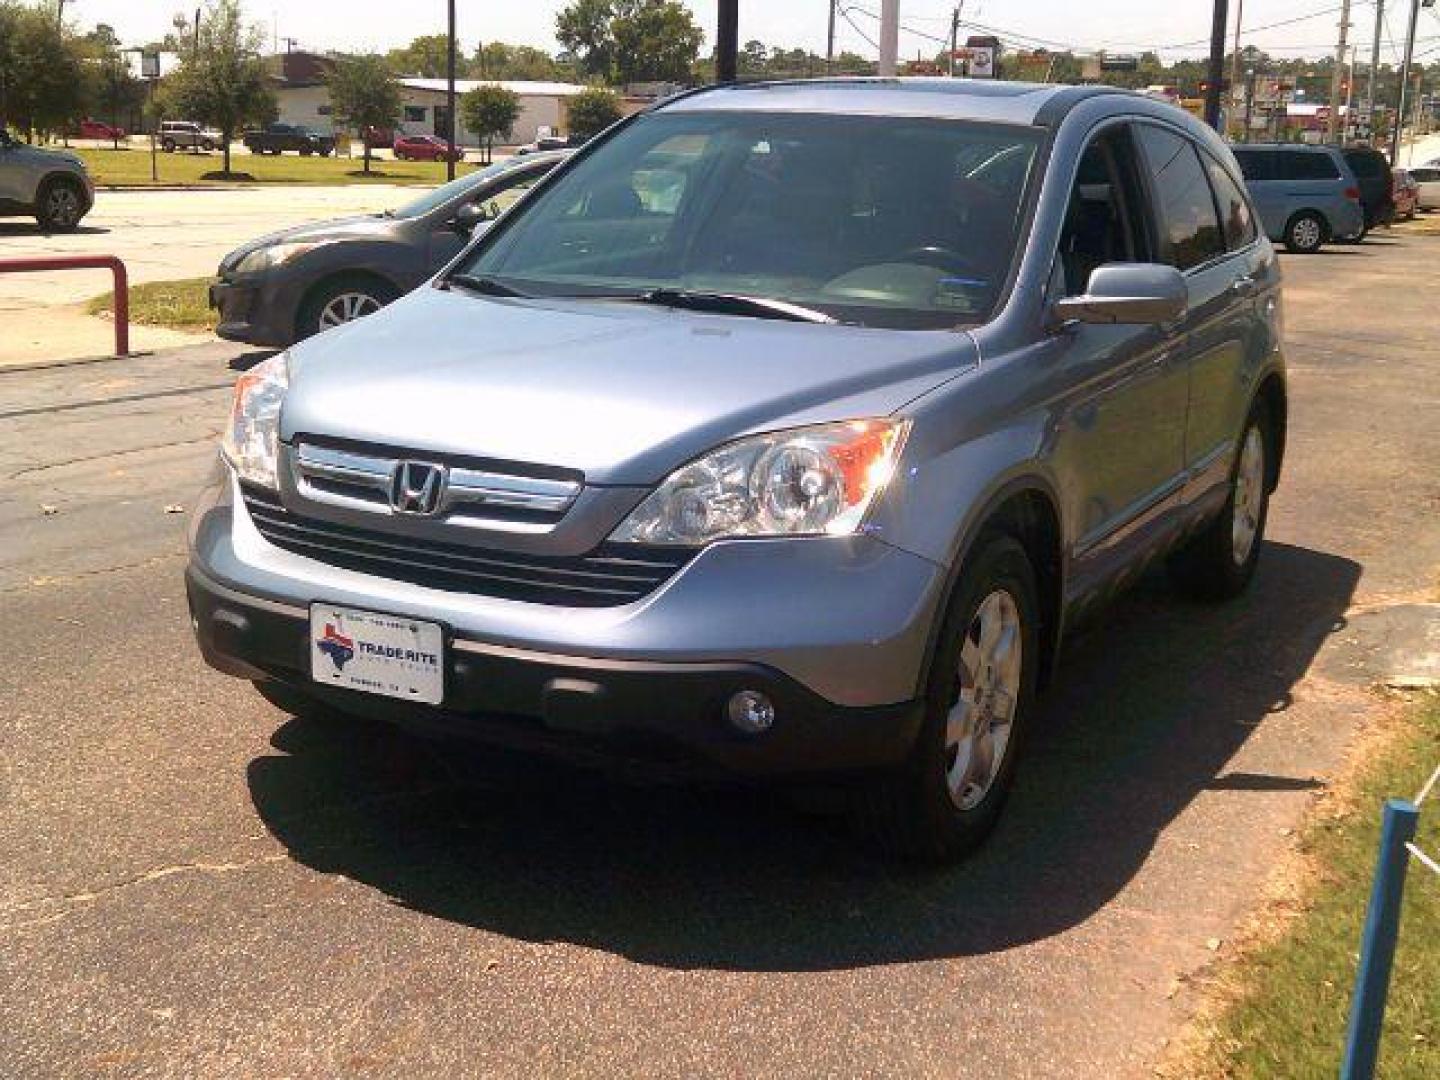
<point x="251" y="443"/>
<point x="274" y="255"/>
<point x="803" y="482"/>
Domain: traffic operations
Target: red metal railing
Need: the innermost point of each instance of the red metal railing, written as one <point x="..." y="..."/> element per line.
<point x="87" y="262"/>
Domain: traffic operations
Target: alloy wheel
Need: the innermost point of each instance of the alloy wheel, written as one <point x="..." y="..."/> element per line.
<point x="62" y="206"/>
<point x="979" y="724"/>
<point x="347" y="307"/>
<point x="1249" y="497"/>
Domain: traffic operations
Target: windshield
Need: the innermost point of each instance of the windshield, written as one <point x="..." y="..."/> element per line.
<point x="454" y="189"/>
<point x="878" y="220"/>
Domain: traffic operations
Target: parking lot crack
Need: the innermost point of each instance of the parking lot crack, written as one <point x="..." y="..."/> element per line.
<point x="48" y="909"/>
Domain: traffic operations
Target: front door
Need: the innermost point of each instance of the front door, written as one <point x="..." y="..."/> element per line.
<point x="1120" y="442"/>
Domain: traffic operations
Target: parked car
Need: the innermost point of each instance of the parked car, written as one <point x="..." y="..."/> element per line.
<point x="1407" y="196"/>
<point x="52" y="186"/>
<point x="98" y="129"/>
<point x="1427" y="186"/>
<point x="425" y="148"/>
<point x="804" y="473"/>
<point x="1376" y="181"/>
<point x="187" y="135"/>
<point x="278" y="138"/>
<point x="1306" y="195"/>
<point x="375" y="138"/>
<point x="297" y="282"/>
<point x="551" y="142"/>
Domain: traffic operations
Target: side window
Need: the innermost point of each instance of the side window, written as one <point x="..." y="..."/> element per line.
<point x="1302" y="165"/>
<point x="1256" y="164"/>
<point x="1104" y="217"/>
<point x="414" y="114"/>
<point x="498" y="201"/>
<point x="1425" y="175"/>
<point x="1185" y="208"/>
<point x="1235" y="216"/>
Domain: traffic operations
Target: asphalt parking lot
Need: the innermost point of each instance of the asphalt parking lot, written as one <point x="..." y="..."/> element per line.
<point x="193" y="883"/>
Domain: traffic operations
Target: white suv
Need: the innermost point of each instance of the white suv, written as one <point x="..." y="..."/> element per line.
<point x="187" y="135"/>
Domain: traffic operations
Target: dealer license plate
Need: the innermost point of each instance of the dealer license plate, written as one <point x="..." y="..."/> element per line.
<point x="377" y="654"/>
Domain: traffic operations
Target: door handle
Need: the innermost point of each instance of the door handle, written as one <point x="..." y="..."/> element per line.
<point x="1244" y="284"/>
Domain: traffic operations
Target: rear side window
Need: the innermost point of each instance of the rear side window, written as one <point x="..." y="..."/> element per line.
<point x="1368" y="165"/>
<point x="1184" y="205"/>
<point x="1424" y="175"/>
<point x="1256" y="164"/>
<point x="1298" y="165"/>
<point x="1235" y="217"/>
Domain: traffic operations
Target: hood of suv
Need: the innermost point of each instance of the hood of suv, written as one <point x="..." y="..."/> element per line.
<point x="622" y="392"/>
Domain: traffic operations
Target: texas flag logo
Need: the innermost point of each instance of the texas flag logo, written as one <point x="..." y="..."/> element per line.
<point x="337" y="646"/>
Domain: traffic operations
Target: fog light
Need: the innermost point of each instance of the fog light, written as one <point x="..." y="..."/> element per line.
<point x="751" y="711"/>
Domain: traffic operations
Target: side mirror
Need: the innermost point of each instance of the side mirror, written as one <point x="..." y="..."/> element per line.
<point x="468" y="217"/>
<point x="1130" y="293"/>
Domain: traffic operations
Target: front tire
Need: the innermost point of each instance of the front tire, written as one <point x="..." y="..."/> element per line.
<point x="341" y="300"/>
<point x="979" y="693"/>
<point x="60" y="206"/>
<point x="1305" y="233"/>
<point x="1220" y="561"/>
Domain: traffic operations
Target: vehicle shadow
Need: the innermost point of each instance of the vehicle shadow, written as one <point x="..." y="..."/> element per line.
<point x="1148" y="707"/>
<point x="21" y="227"/>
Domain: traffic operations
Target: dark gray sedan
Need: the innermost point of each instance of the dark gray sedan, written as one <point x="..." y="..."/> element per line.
<point x="291" y="284"/>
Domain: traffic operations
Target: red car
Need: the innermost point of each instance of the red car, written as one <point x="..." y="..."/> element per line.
<point x="95" y="129"/>
<point x="425" y="148"/>
<point x="1407" y="195"/>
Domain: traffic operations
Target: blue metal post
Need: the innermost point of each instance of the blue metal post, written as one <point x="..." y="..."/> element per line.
<point x="1377" y="945"/>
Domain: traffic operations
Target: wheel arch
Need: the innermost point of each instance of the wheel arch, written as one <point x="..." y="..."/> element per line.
<point x="1026" y="508"/>
<point x="332" y="278"/>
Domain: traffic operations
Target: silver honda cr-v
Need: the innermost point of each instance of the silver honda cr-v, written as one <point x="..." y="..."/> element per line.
<point x="783" y="429"/>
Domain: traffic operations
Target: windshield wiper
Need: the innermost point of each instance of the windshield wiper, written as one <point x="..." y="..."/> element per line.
<point x="759" y="307"/>
<point x="486" y="286"/>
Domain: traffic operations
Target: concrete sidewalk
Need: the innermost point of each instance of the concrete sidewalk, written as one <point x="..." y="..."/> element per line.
<point x="63" y="333"/>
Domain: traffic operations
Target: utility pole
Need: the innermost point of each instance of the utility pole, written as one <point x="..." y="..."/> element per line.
<point x="1332" y="126"/>
<point x="1350" y="97"/>
<point x="1404" y="81"/>
<point x="1235" y="65"/>
<point x="830" y="41"/>
<point x="1374" y="67"/>
<point x="450" y="96"/>
<point x="889" y="36"/>
<point x="727" y="41"/>
<point x="954" y="37"/>
<point x="197" y="33"/>
<point x="1215" y="70"/>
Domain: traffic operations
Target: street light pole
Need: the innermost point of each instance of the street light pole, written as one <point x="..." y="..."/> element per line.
<point x="450" y="98"/>
<point x="889" y="36"/>
<point x="1332" y="126"/>
<point x="727" y="41"/>
<point x="1374" y="68"/>
<point x="830" y="41"/>
<point x="1235" y="64"/>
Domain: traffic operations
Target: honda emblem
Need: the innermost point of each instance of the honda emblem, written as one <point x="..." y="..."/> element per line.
<point x="416" y="488"/>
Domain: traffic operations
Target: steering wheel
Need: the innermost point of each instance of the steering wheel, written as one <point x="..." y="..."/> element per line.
<point x="941" y="258"/>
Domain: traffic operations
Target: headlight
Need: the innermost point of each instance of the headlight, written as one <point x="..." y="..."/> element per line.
<point x="274" y="255"/>
<point x="251" y="442"/>
<point x="807" y="481"/>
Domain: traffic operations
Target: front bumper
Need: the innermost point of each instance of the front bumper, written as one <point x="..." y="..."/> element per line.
<point x="835" y="631"/>
<point x="260" y="309"/>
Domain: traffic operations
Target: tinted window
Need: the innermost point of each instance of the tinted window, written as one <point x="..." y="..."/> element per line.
<point x="880" y="220"/>
<point x="1235" y="216"/>
<point x="1256" y="164"/>
<point x="1424" y="176"/>
<point x="1366" y="163"/>
<point x="1184" y="205"/>
<point x="1299" y="165"/>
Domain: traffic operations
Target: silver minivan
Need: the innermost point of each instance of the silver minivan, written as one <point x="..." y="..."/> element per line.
<point x="1307" y="196"/>
<point x="783" y="430"/>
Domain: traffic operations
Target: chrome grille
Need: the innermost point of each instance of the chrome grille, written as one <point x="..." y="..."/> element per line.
<point x="362" y="480"/>
<point x="610" y="575"/>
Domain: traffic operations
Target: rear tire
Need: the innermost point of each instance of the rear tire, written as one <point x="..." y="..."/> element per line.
<point x="168" y="145"/>
<point x="1220" y="561"/>
<point x="1305" y="233"/>
<point x="948" y="795"/>
<point x="60" y="205"/>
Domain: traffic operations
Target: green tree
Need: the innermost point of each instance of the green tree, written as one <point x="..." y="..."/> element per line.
<point x="364" y="94"/>
<point x="490" y="111"/>
<point x="497" y="60"/>
<point x="40" y="70"/>
<point x="631" y="40"/>
<point x="108" y="89"/>
<point x="222" y="80"/>
<point x="425" y="57"/>
<point x="583" y="28"/>
<point x="655" y="41"/>
<point x="591" y="111"/>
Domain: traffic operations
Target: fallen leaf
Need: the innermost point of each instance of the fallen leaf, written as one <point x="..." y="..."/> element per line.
<point x="47" y="509"/>
<point x="174" y="508"/>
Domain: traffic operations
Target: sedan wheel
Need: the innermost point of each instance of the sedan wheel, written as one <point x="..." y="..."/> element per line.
<point x="346" y="307"/>
<point x="61" y="208"/>
<point x="1249" y="497"/>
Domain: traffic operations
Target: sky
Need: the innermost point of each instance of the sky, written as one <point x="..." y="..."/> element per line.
<point x="1175" y="28"/>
